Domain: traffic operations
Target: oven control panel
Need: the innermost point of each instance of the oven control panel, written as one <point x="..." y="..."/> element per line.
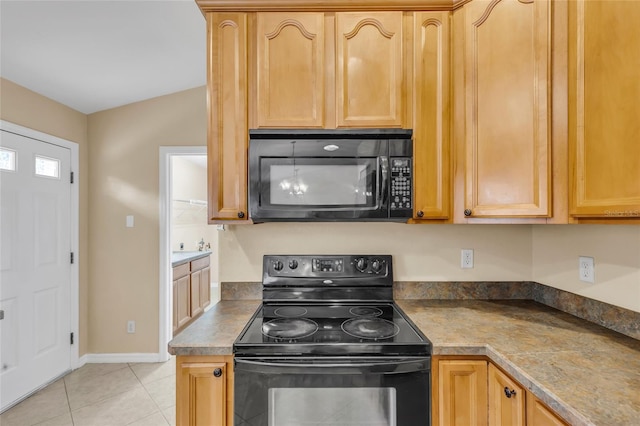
<point x="325" y="266"/>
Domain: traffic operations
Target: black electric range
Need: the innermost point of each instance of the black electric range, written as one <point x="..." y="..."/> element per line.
<point x="329" y="305"/>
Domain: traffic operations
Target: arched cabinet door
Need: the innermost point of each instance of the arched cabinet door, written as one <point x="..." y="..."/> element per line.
<point x="369" y="69"/>
<point x="507" y="112"/>
<point x="290" y="70"/>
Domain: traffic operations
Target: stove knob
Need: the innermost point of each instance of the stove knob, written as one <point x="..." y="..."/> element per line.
<point x="278" y="265"/>
<point x="293" y="264"/>
<point x="376" y="265"/>
<point x="361" y="264"/>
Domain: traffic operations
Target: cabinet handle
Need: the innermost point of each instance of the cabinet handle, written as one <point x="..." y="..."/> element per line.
<point x="509" y="393"/>
<point x="467" y="212"/>
<point x="218" y="372"/>
<point x="420" y="213"/>
<point x="240" y="215"/>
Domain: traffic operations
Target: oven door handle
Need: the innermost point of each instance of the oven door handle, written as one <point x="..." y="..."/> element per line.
<point x="334" y="366"/>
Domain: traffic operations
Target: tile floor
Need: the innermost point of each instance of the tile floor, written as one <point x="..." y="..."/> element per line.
<point x="103" y="394"/>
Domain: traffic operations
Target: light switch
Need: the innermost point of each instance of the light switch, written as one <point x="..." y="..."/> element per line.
<point x="130" y="221"/>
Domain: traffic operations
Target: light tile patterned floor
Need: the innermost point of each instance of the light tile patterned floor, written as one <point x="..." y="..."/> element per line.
<point x="103" y="394"/>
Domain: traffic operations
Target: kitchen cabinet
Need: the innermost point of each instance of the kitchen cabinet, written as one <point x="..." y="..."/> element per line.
<point x="191" y="291"/>
<point x="204" y="390"/>
<point x="474" y="391"/>
<point x="460" y="393"/>
<point x="604" y="153"/>
<point x="431" y="115"/>
<point x="502" y="95"/>
<point x="227" y="112"/>
<point x="506" y="399"/>
<point x="328" y="70"/>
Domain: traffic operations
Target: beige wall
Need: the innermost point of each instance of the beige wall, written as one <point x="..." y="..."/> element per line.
<point x="124" y="181"/>
<point x="616" y="253"/>
<point x="421" y="252"/>
<point x="29" y="109"/>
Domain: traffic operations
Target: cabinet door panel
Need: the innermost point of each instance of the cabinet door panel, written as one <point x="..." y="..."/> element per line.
<point x="462" y="393"/>
<point x="539" y="415"/>
<point x="290" y="68"/>
<point x="369" y="75"/>
<point x="183" y="303"/>
<point x="505" y="410"/>
<point x="205" y="287"/>
<point x="227" y="129"/>
<point x="507" y="68"/>
<point x="604" y="128"/>
<point x="431" y="115"/>
<point x="196" y="282"/>
<point x="202" y="395"/>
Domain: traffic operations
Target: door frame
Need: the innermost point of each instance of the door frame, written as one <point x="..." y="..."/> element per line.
<point x="74" y="302"/>
<point x="165" y="296"/>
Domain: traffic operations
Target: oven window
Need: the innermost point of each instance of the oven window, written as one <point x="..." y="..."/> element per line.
<point x="319" y="182"/>
<point x="332" y="406"/>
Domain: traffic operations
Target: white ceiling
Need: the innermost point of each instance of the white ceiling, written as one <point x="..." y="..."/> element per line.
<point x="94" y="55"/>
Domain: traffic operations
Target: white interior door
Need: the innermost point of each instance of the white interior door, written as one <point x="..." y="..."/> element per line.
<point x="35" y="267"/>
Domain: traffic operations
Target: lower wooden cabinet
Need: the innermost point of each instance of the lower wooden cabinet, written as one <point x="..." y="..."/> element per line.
<point x="204" y="390"/>
<point x="191" y="291"/>
<point x="474" y="392"/>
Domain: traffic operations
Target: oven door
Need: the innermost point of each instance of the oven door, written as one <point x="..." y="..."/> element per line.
<point x="332" y="391"/>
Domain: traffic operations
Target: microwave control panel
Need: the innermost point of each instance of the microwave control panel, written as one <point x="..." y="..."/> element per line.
<point x="401" y="181"/>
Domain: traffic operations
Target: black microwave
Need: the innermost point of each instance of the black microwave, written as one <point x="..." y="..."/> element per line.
<point x="330" y="175"/>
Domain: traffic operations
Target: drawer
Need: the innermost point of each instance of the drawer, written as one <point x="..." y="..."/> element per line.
<point x="199" y="263"/>
<point x="181" y="270"/>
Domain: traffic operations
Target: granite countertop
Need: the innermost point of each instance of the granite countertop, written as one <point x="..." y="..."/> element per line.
<point x="180" y="257"/>
<point x="587" y="373"/>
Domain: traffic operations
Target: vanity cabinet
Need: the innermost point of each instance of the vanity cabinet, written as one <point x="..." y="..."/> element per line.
<point x="330" y="70"/>
<point x="502" y="90"/>
<point x="191" y="291"/>
<point x="604" y="130"/>
<point x="204" y="390"/>
<point x="474" y="391"/>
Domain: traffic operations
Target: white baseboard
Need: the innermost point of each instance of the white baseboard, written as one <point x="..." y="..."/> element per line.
<point x="80" y="362"/>
<point x="122" y="358"/>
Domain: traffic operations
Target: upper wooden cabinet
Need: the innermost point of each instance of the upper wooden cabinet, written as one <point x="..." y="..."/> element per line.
<point x="604" y="125"/>
<point x="227" y="105"/>
<point x="369" y="69"/>
<point x="502" y="89"/>
<point x="328" y="70"/>
<point x="431" y="114"/>
<point x="290" y="70"/>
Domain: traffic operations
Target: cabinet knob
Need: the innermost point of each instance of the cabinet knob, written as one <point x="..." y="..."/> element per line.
<point x="509" y="393"/>
<point x="467" y="212"/>
<point x="218" y="372"/>
<point x="420" y="213"/>
<point x="240" y="215"/>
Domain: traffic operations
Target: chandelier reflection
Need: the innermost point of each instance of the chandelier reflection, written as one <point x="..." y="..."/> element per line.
<point x="294" y="186"/>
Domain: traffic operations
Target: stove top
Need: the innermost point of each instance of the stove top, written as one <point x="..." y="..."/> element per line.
<point x="329" y="305"/>
<point x="330" y="329"/>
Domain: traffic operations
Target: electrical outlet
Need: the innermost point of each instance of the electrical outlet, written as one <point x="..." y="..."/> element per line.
<point x="466" y="259"/>
<point x="131" y="327"/>
<point x="586" y="269"/>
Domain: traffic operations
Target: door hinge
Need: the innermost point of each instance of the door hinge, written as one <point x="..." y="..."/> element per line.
<point x="1" y="314"/>
<point x="71" y="338"/>
<point x="71" y="177"/>
<point x="72" y="258"/>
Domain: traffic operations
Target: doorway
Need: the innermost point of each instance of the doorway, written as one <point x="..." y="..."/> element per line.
<point x="38" y="261"/>
<point x="183" y="224"/>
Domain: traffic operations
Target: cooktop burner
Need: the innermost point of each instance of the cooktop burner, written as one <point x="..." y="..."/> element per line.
<point x="290" y="311"/>
<point x="370" y="328"/>
<point x="365" y="311"/>
<point x="289" y="328"/>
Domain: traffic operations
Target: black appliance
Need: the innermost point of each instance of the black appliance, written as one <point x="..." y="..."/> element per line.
<point x="330" y="175"/>
<point x="329" y="346"/>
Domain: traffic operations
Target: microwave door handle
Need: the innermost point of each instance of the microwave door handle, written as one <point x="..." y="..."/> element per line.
<point x="384" y="181"/>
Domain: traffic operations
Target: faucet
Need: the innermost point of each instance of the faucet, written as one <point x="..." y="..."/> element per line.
<point x="201" y="244"/>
